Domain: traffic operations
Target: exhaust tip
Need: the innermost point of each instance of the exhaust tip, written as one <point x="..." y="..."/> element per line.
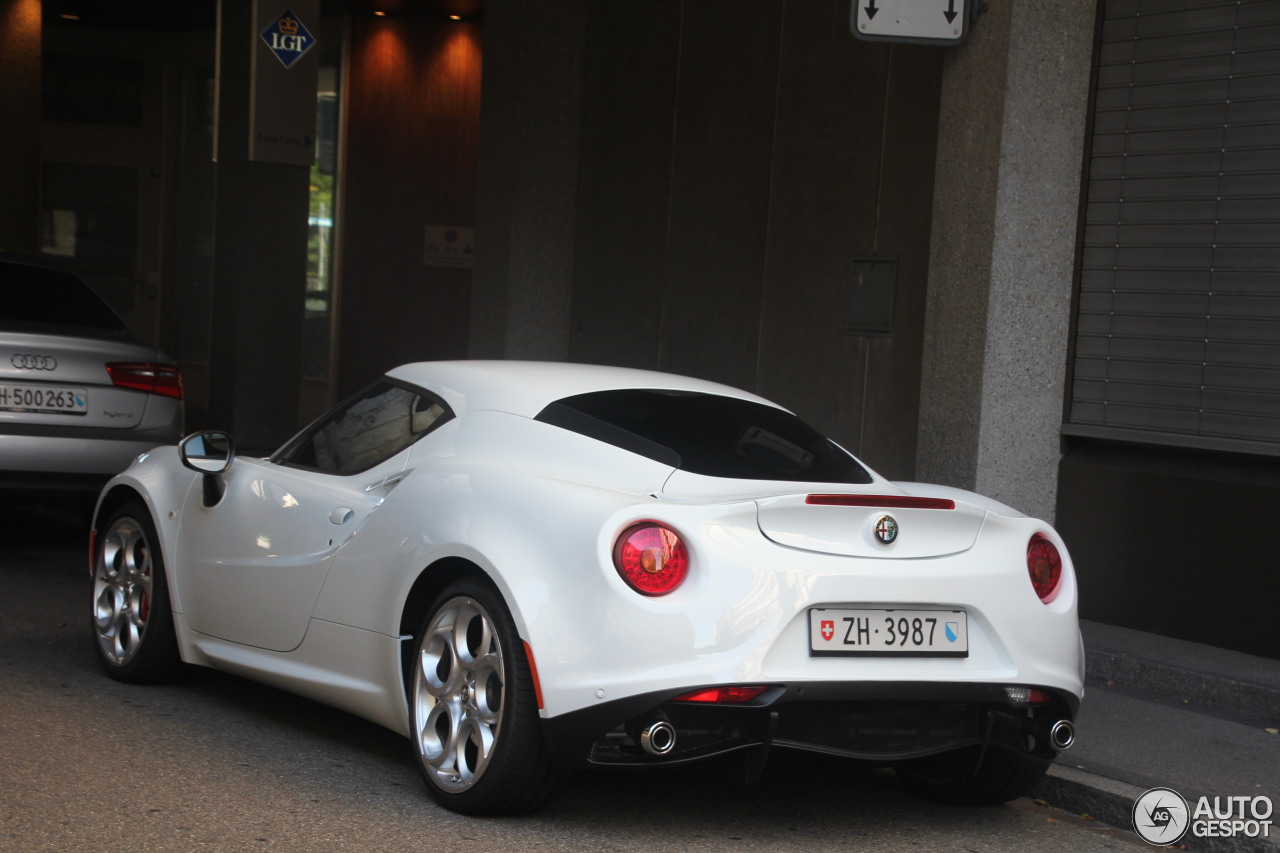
<point x="1062" y="735"/>
<point x="658" y="738"/>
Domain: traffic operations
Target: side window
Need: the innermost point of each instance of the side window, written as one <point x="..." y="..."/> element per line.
<point x="366" y="430"/>
<point x="426" y="412"/>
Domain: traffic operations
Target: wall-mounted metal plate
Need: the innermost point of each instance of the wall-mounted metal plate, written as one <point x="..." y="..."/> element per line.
<point x="872" y="287"/>
<point x="937" y="22"/>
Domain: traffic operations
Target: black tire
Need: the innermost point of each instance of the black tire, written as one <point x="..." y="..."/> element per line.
<point x="132" y="620"/>
<point x="1003" y="775"/>
<point x="476" y="733"/>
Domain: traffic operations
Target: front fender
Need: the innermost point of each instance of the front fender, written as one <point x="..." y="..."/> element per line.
<point x="160" y="481"/>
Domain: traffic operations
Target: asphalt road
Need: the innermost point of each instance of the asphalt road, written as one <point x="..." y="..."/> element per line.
<point x="214" y="762"/>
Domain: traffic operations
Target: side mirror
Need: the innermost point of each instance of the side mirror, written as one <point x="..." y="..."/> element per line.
<point x="210" y="453"/>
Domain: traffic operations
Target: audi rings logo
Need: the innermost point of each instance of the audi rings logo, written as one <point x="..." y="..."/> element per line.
<point x="27" y="361"/>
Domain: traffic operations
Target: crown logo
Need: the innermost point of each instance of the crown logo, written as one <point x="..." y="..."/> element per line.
<point x="288" y="26"/>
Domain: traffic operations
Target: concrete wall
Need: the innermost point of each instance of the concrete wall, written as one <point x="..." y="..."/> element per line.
<point x="409" y="161"/>
<point x="1006" y="203"/>
<point x="1176" y="542"/>
<point x="20" y="29"/>
<point x="530" y="126"/>
<point x="729" y="163"/>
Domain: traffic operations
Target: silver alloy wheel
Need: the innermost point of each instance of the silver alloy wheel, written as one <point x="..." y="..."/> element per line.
<point x="458" y="693"/>
<point x="122" y="590"/>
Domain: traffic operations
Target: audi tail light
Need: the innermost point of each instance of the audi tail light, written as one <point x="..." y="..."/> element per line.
<point x="1044" y="565"/>
<point x="651" y="558"/>
<point x="163" y="379"/>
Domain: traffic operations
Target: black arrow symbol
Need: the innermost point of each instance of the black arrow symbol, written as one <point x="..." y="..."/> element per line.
<point x="951" y="11"/>
<point x="871" y="9"/>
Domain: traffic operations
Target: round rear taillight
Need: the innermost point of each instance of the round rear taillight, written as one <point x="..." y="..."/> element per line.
<point x="651" y="559"/>
<point x="1044" y="565"/>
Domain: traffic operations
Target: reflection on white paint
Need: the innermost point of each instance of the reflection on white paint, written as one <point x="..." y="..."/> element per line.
<point x="271" y="492"/>
<point x="264" y="543"/>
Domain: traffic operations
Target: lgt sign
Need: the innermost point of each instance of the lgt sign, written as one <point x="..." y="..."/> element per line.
<point x="287" y="38"/>
<point x="282" y="82"/>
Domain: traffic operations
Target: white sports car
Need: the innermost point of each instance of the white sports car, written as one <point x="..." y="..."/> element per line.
<point x="526" y="566"/>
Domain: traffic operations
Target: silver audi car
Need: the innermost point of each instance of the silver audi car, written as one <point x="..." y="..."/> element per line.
<point x="79" y="396"/>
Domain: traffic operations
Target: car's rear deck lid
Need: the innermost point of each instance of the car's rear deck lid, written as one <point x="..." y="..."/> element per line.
<point x="892" y="526"/>
<point x="61" y="381"/>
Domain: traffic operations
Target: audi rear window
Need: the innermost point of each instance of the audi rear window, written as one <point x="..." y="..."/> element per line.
<point x="707" y="434"/>
<point x="38" y="299"/>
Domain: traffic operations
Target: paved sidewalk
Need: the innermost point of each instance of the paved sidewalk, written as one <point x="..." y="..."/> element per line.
<point x="1160" y="712"/>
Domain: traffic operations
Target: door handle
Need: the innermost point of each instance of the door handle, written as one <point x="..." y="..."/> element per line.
<point x="341" y="515"/>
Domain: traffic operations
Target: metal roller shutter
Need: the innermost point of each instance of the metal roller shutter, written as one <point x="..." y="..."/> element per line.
<point x="1178" y="325"/>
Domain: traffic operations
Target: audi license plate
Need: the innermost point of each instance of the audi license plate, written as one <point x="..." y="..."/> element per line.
<point x="907" y="633"/>
<point x="44" y="399"/>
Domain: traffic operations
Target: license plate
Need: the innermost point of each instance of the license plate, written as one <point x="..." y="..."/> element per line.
<point x="906" y="633"/>
<point x="44" y="399"/>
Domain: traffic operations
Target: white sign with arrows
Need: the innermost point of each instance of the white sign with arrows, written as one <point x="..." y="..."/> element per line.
<point x="939" y="22"/>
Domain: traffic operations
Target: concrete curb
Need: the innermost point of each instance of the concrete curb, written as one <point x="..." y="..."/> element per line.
<point x="1204" y="675"/>
<point x="1111" y="802"/>
<point x="1204" y="688"/>
<point x="1244" y="685"/>
<point x="1084" y="793"/>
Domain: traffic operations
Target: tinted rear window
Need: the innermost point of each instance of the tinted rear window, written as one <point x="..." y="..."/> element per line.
<point x="35" y="299"/>
<point x="708" y="434"/>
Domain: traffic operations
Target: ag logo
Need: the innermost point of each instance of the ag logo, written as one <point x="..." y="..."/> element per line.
<point x="1161" y="816"/>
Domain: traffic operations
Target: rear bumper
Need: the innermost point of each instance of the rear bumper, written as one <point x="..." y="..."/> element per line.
<point x="49" y="463"/>
<point x="879" y="722"/>
<point x="23" y="484"/>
